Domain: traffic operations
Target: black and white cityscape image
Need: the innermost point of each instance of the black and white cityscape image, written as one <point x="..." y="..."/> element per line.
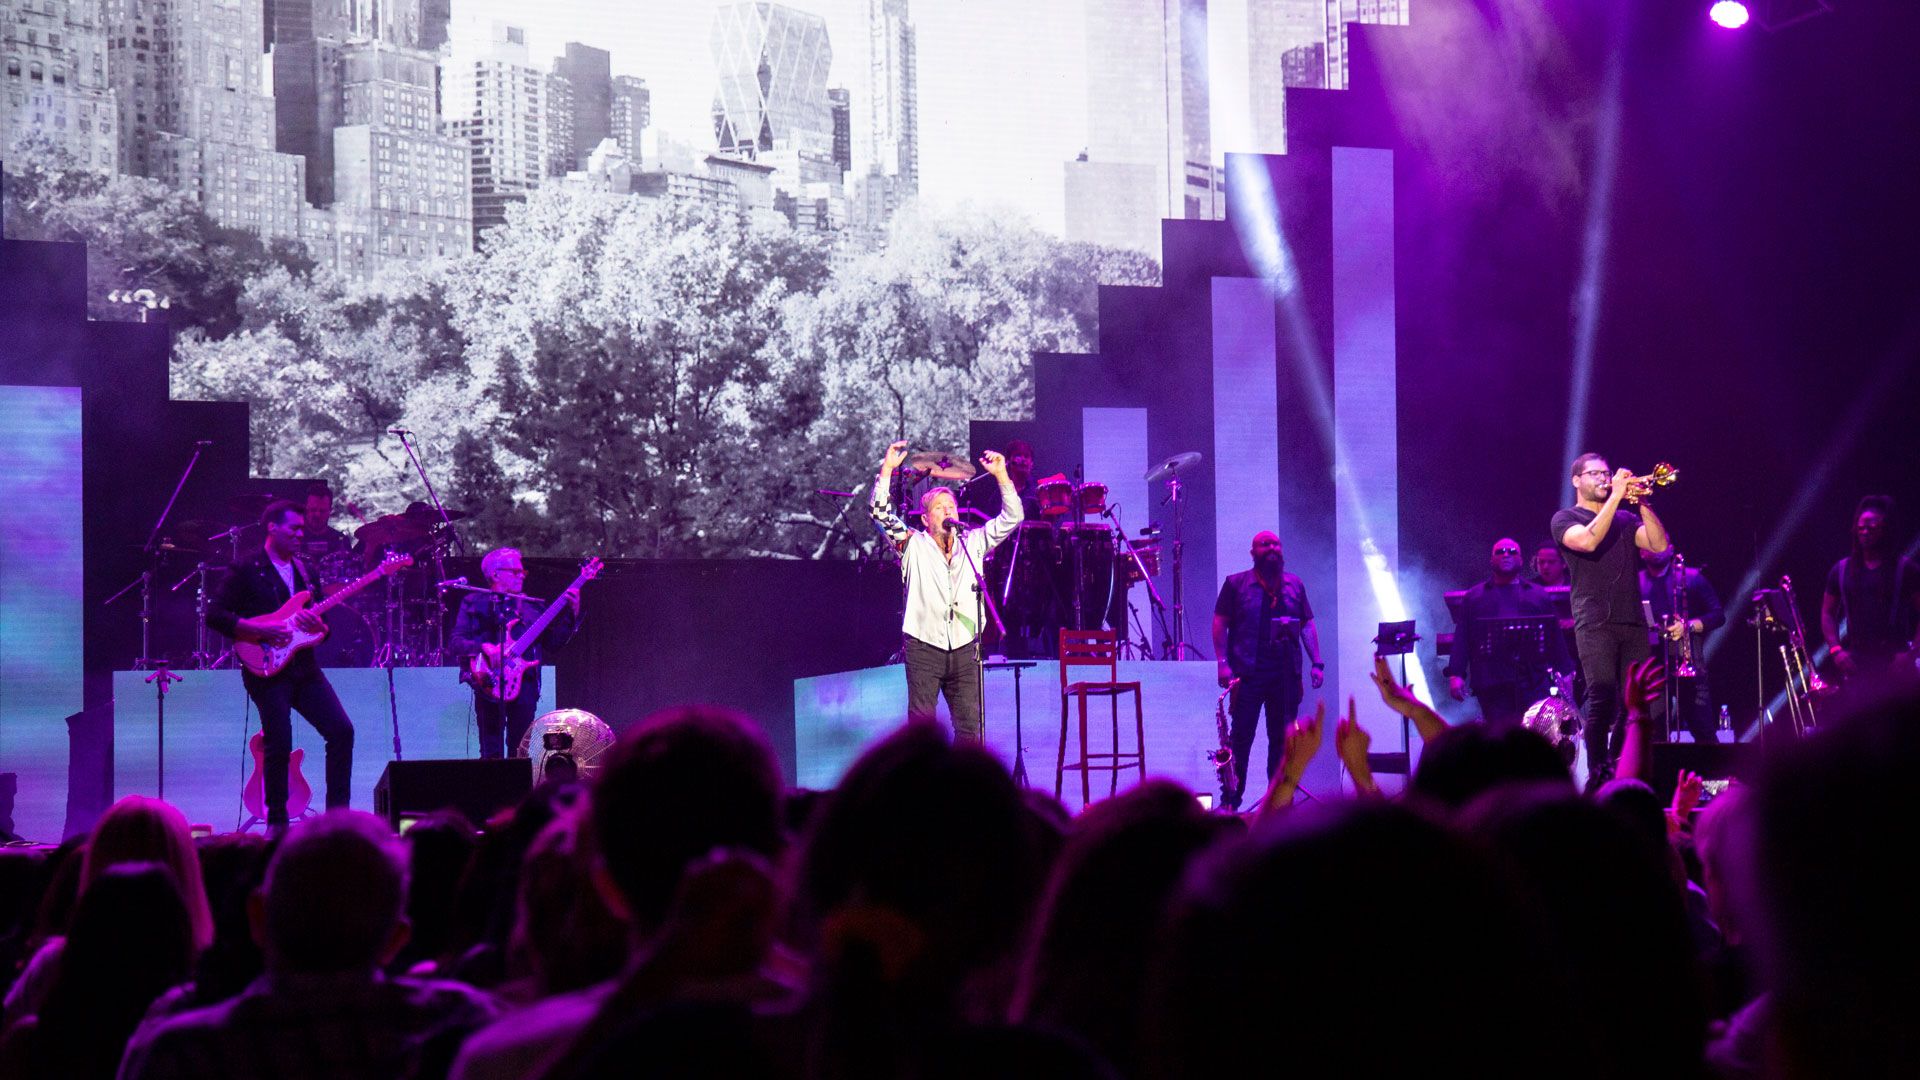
<point x="640" y="277"/>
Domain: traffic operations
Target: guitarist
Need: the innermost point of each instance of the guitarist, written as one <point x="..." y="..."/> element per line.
<point x="257" y="587"/>
<point x="486" y="624"/>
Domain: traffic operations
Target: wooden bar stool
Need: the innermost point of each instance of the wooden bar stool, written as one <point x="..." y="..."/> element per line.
<point x="1097" y="649"/>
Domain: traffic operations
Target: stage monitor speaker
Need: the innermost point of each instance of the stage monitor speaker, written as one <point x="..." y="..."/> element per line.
<point x="479" y="789"/>
<point x="1719" y="761"/>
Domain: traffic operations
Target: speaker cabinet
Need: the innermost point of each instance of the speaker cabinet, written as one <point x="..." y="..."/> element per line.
<point x="477" y="788"/>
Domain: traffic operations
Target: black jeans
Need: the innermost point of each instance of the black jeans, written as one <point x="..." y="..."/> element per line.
<point x="1606" y="652"/>
<point x="503" y="724"/>
<point x="954" y="672"/>
<point x="1280" y="697"/>
<point x="303" y="689"/>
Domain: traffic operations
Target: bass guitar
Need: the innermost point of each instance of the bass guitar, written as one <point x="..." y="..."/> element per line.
<point x="501" y="682"/>
<point x="262" y="659"/>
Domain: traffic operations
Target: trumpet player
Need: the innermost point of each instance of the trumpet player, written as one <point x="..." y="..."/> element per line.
<point x="1598" y="540"/>
<point x="1685" y="610"/>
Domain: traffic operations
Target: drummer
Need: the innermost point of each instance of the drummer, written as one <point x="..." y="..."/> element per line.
<point x="982" y="493"/>
<point x="321" y="538"/>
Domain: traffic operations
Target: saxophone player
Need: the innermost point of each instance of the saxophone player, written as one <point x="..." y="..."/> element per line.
<point x="1685" y="610"/>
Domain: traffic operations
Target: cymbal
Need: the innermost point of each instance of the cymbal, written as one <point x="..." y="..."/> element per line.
<point x="250" y="506"/>
<point x="431" y="515"/>
<point x="389" y="530"/>
<point x="941" y="466"/>
<point x="1166" y="469"/>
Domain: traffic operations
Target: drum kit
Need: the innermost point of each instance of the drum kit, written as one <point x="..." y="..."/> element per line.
<point x="403" y="624"/>
<point x="1070" y="565"/>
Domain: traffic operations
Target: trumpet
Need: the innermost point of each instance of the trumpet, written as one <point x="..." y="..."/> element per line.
<point x="1639" y="487"/>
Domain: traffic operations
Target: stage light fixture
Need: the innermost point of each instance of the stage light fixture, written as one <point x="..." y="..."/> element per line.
<point x="1729" y="14"/>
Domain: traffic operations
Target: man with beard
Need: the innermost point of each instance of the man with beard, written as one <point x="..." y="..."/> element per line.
<point x="1667" y="594"/>
<point x="1260" y="623"/>
<point x="1598" y="539"/>
<point x="1872" y="599"/>
<point x="1504" y="681"/>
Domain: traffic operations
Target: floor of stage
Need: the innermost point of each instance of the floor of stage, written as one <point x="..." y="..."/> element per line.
<point x="836" y="716"/>
<point x="209" y="720"/>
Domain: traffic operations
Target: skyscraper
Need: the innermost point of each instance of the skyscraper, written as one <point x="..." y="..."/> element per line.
<point x="841" y="102"/>
<point x="1147" y="106"/>
<point x="503" y="106"/>
<point x="1279" y="35"/>
<point x="195" y="114"/>
<point x="772" y="105"/>
<point x="632" y="112"/>
<point x="772" y="62"/>
<point x="56" y="79"/>
<point x="400" y="184"/>
<point x="893" y="94"/>
<point x="589" y="73"/>
<point x="1341" y="12"/>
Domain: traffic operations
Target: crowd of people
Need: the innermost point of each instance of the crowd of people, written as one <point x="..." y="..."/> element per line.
<point x="683" y="914"/>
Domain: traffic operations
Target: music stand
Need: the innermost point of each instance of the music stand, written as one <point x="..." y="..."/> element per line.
<point x="1396" y="639"/>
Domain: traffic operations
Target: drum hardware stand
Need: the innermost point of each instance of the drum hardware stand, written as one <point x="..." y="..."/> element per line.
<point x="1178" y="648"/>
<point x="204" y="658"/>
<point x="160" y="679"/>
<point x="1145" y="645"/>
<point x="152" y="550"/>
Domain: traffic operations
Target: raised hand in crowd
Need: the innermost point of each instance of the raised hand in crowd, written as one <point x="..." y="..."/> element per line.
<point x="1401" y="700"/>
<point x="1351" y="742"/>
<point x="1645" y="680"/>
<point x="1302" y="743"/>
<point x="1686" y="799"/>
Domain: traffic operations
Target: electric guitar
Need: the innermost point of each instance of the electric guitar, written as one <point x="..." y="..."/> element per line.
<point x="502" y="682"/>
<point x="263" y="660"/>
<point x="253" y="794"/>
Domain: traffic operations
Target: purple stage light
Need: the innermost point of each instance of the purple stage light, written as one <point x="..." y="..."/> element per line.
<point x="1731" y="14"/>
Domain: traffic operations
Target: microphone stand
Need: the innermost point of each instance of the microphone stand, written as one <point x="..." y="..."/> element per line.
<point x="983" y="606"/>
<point x="431" y="494"/>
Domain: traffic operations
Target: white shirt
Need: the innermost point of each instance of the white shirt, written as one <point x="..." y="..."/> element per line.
<point x="285" y="569"/>
<point x="942" y="609"/>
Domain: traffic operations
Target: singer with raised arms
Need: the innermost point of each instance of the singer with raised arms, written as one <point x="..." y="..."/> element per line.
<point x="1598" y="539"/>
<point x="939" y="562"/>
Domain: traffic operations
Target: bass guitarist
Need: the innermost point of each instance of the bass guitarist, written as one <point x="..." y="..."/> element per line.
<point x="488" y="622"/>
<point x="259" y="587"/>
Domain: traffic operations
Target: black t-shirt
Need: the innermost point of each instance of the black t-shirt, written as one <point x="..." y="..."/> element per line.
<point x="1605" y="582"/>
<point x="1878" y="623"/>
<point x="1253" y="649"/>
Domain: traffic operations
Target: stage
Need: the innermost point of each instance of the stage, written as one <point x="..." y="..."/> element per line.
<point x="209" y="720"/>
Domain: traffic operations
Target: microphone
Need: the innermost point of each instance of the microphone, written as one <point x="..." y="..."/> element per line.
<point x="203" y="442"/>
<point x="398" y="431"/>
<point x="451" y="583"/>
<point x="953" y="525"/>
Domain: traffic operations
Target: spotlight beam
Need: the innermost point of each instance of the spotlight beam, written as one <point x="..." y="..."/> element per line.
<point x="1593" y="258"/>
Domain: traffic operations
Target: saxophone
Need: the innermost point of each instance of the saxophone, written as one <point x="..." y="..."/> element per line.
<point x="1222" y="758"/>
